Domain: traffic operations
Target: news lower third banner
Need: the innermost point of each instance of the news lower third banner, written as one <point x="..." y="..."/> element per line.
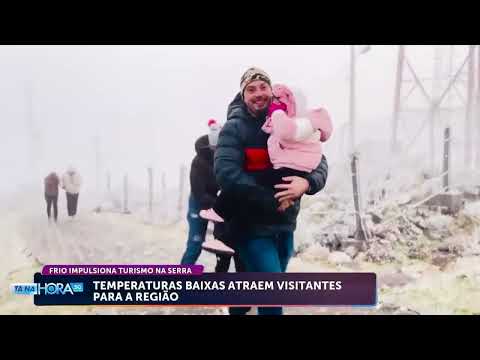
<point x="171" y="285"/>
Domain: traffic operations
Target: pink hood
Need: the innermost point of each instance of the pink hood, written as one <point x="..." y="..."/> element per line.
<point x="285" y="95"/>
<point x="295" y="142"/>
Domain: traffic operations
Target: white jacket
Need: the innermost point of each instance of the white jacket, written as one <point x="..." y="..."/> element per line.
<point x="71" y="181"/>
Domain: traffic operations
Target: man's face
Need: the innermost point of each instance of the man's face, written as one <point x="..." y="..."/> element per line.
<point x="257" y="96"/>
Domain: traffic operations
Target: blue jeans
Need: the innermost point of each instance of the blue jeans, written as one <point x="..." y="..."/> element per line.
<point x="267" y="254"/>
<point x="196" y="233"/>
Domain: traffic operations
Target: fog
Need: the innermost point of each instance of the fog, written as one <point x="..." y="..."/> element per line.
<point x="148" y="104"/>
<point x="122" y="109"/>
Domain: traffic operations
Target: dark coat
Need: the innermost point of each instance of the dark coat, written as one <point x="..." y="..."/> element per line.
<point x="51" y="183"/>
<point x="202" y="179"/>
<point x="240" y="158"/>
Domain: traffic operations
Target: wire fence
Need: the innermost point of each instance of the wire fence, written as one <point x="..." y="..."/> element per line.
<point x="151" y="197"/>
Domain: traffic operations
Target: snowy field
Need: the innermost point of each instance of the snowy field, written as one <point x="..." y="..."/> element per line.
<point x="408" y="283"/>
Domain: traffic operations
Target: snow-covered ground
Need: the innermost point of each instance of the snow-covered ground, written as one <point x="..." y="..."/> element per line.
<point x="414" y="276"/>
<point x="92" y="238"/>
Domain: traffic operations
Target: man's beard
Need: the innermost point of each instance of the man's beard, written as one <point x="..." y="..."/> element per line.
<point x="260" y="113"/>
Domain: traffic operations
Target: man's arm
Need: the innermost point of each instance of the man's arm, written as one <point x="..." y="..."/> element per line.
<point x="229" y="159"/>
<point x="294" y="186"/>
<point x="317" y="179"/>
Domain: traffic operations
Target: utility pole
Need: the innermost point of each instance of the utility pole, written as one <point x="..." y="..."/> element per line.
<point x="96" y="147"/>
<point x="361" y="232"/>
<point x="125" y="195"/>
<point x="181" y="189"/>
<point x="34" y="136"/>
<point x="109" y="183"/>
<point x="469" y="111"/>
<point x="477" y="115"/>
<point x="397" y="101"/>
<point x="353" y="59"/>
<point x="150" y="194"/>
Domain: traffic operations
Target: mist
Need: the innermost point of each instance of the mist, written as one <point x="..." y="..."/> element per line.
<point x="409" y="216"/>
<point x="147" y="105"/>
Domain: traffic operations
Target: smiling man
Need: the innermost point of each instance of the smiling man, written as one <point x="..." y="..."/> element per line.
<point x="240" y="159"/>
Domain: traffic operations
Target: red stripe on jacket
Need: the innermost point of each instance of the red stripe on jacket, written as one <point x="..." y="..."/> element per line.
<point x="257" y="159"/>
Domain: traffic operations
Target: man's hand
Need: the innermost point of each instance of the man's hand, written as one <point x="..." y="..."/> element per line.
<point x="294" y="190"/>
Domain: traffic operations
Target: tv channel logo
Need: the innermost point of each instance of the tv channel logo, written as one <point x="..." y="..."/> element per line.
<point x="46" y="289"/>
<point x="24" y="289"/>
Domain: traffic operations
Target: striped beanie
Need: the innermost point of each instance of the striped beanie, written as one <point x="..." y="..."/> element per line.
<point x="251" y="75"/>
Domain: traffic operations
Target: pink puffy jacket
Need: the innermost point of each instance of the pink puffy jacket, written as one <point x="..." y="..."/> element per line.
<point x="296" y="142"/>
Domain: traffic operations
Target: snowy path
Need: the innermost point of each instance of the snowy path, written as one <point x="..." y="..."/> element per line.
<point x="89" y="239"/>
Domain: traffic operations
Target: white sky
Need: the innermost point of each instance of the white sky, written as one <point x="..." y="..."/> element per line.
<point x="148" y="104"/>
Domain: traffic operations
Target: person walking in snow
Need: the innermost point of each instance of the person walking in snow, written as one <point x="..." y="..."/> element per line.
<point x="203" y="192"/>
<point x="241" y="157"/>
<point x="71" y="183"/>
<point x="51" y="183"/>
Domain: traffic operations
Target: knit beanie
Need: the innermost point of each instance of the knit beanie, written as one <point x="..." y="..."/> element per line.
<point x="251" y="75"/>
<point x="214" y="132"/>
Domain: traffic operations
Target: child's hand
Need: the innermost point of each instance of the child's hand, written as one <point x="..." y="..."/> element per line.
<point x="276" y="105"/>
<point x="284" y="205"/>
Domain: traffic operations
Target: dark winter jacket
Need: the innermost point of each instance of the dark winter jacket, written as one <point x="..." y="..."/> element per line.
<point x="202" y="179"/>
<point x="51" y="183"/>
<point x="242" y="155"/>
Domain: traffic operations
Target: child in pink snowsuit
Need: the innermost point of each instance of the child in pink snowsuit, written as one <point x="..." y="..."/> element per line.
<point x="295" y="149"/>
<point x="296" y="135"/>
